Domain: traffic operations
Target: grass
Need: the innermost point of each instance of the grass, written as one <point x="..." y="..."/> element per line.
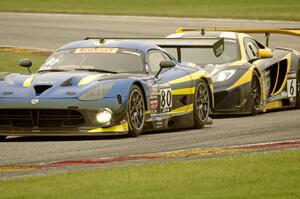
<point x="9" y="61"/>
<point x="258" y="175"/>
<point x="255" y="9"/>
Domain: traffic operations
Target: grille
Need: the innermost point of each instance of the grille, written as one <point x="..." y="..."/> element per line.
<point x="42" y="118"/>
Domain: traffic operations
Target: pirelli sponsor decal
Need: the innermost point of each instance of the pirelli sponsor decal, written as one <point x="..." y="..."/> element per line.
<point x="97" y="50"/>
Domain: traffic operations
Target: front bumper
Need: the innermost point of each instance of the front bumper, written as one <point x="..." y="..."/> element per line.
<point x="232" y="101"/>
<point x="60" y="117"/>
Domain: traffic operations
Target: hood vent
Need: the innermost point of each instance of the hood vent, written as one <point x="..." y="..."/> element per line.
<point x="39" y="89"/>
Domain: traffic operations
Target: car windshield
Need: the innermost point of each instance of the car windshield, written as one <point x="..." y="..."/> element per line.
<point x="112" y="60"/>
<point x="207" y="56"/>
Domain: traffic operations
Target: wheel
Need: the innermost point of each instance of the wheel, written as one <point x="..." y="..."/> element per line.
<point x="298" y="88"/>
<point x="135" y="111"/>
<point x="201" y="104"/>
<point x="255" y="94"/>
<point x="2" y="137"/>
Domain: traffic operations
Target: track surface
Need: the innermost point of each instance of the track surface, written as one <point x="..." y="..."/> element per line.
<point x="53" y="30"/>
<point x="50" y="31"/>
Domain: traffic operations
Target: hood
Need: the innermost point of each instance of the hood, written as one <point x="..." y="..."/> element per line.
<point x="53" y="84"/>
<point x="213" y="69"/>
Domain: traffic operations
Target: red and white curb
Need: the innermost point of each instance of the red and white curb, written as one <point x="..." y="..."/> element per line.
<point x="163" y="155"/>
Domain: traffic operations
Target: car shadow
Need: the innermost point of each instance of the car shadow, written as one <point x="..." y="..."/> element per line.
<point x="241" y="115"/>
<point x="61" y="138"/>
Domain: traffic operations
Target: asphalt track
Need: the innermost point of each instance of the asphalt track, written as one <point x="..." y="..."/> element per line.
<point x="50" y="31"/>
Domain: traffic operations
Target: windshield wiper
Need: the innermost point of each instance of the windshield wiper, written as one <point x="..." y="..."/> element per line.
<point x="97" y="70"/>
<point x="52" y="70"/>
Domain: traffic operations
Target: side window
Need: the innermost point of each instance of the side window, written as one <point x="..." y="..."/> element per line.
<point x="251" y="48"/>
<point x="155" y="57"/>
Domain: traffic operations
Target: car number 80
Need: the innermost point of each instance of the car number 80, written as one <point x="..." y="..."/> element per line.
<point x="166" y="99"/>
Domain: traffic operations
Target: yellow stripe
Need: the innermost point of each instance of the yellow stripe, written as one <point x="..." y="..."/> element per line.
<point x="119" y="128"/>
<point x="182" y="109"/>
<point x="247" y="77"/>
<point x="243" y="59"/>
<point x="192" y="76"/>
<point x="147" y="112"/>
<point x="87" y="79"/>
<point x="27" y="82"/>
<point x="181" y="80"/>
<point x="275" y="104"/>
<point x="183" y="91"/>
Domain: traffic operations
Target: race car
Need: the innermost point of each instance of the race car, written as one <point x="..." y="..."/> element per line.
<point x="104" y="87"/>
<point x="248" y="77"/>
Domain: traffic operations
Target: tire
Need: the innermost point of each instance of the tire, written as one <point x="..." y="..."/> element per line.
<point x="135" y="111"/>
<point x="201" y="104"/>
<point x="298" y="88"/>
<point x="2" y="137"/>
<point x="255" y="94"/>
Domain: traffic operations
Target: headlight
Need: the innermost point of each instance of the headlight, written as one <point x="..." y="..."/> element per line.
<point x="97" y="93"/>
<point x="104" y="116"/>
<point x="222" y="76"/>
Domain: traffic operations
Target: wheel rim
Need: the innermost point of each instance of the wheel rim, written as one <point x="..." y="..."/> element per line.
<point x="136" y="109"/>
<point x="256" y="92"/>
<point x="202" y="102"/>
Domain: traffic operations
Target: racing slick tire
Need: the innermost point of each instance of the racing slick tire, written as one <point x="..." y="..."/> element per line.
<point x="201" y="104"/>
<point x="298" y="88"/>
<point x="135" y="111"/>
<point x="255" y="94"/>
<point x="2" y="137"/>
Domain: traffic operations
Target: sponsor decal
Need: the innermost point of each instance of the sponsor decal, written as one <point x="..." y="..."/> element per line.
<point x="159" y="124"/>
<point x="97" y="50"/>
<point x="164" y="85"/>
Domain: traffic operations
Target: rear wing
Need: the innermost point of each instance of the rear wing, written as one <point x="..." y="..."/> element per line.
<point x="216" y="43"/>
<point x="266" y="31"/>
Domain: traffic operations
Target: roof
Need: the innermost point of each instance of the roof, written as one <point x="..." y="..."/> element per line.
<point x="110" y="43"/>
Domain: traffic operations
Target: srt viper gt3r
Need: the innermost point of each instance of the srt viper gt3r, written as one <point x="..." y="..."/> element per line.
<point x="99" y="87"/>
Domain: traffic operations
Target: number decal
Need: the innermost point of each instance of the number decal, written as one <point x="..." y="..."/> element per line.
<point x="166" y="100"/>
<point x="291" y="87"/>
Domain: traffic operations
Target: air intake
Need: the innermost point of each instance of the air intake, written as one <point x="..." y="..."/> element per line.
<point x="39" y="89"/>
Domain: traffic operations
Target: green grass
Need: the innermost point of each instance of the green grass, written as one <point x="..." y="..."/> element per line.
<point x="258" y="175"/>
<point x="9" y="61"/>
<point x="254" y="9"/>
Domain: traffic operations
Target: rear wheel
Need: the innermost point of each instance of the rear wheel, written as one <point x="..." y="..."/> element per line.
<point x="2" y="137"/>
<point x="201" y="104"/>
<point x="135" y="111"/>
<point x="255" y="95"/>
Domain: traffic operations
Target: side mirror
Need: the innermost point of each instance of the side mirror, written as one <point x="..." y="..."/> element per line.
<point x="27" y="63"/>
<point x="165" y="64"/>
<point x="264" y="53"/>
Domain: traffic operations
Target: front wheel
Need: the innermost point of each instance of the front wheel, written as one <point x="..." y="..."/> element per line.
<point x="135" y="111"/>
<point x="255" y="94"/>
<point x="2" y="137"/>
<point x="201" y="104"/>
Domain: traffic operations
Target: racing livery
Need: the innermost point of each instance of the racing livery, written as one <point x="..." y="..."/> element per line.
<point x="248" y="77"/>
<point x="100" y="87"/>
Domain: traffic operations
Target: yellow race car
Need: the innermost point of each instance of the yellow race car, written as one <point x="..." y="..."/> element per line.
<point x="248" y="77"/>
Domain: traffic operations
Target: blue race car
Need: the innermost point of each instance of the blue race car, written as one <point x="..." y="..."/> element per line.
<point x="100" y="87"/>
